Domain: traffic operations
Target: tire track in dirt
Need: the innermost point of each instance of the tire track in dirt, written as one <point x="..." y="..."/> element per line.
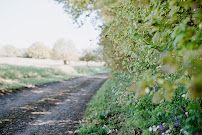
<point x="56" y="112"/>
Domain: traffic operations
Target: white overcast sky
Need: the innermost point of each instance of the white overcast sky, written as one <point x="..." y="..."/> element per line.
<point x="23" y="22"/>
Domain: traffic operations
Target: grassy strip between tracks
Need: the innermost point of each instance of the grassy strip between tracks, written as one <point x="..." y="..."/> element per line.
<point x="14" y="78"/>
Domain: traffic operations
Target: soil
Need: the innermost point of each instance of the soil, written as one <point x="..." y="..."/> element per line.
<point x="53" y="109"/>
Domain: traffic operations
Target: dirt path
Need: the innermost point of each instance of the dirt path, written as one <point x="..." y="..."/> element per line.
<point x="55" y="109"/>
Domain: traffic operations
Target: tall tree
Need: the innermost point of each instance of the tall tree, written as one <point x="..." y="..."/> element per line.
<point x="10" y="51"/>
<point x="88" y="56"/>
<point x="39" y="50"/>
<point x="65" y="50"/>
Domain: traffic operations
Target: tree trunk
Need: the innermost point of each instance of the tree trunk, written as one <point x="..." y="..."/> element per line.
<point x="65" y="62"/>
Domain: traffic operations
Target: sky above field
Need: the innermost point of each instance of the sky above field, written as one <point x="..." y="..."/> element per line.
<point x="23" y="22"/>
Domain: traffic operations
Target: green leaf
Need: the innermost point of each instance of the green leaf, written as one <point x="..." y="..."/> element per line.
<point x="158" y="96"/>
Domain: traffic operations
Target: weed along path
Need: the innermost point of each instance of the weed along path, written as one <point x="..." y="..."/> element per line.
<point x="54" y="109"/>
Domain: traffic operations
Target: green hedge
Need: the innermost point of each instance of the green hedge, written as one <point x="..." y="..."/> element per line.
<point x="155" y="42"/>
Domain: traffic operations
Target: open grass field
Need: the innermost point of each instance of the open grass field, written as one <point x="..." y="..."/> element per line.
<point x="44" y="62"/>
<point x="18" y="73"/>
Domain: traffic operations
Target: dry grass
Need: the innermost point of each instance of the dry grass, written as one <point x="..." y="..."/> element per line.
<point x="49" y="63"/>
<point x="43" y="62"/>
<point x="18" y="73"/>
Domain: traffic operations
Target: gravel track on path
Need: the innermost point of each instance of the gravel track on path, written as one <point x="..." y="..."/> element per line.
<point x="54" y="109"/>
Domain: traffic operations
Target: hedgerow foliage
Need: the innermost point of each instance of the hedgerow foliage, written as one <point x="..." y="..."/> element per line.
<point x="114" y="110"/>
<point x="158" y="42"/>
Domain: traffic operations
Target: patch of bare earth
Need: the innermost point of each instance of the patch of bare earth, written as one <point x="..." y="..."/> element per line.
<point x="54" y="109"/>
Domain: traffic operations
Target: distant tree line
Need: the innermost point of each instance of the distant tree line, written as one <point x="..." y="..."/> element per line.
<point x="92" y="55"/>
<point x="62" y="50"/>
